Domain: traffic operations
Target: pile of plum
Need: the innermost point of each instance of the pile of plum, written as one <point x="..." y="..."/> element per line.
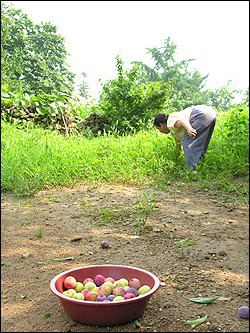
<point x="104" y="289"/>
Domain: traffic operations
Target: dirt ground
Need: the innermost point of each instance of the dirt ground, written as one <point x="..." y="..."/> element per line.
<point x="60" y="229"/>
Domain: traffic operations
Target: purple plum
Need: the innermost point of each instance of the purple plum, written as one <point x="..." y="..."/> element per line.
<point x="111" y="297"/>
<point x="99" y="279"/>
<point x="105" y="244"/>
<point x="132" y="290"/>
<point x="101" y="298"/>
<point x="243" y="312"/>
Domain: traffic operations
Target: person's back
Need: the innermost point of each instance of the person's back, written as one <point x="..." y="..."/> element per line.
<point x="192" y="127"/>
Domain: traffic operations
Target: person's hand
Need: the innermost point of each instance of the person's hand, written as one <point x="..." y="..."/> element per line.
<point x="192" y="132"/>
<point x="186" y="124"/>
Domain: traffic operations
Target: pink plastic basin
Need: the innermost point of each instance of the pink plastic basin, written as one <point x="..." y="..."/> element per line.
<point x="99" y="313"/>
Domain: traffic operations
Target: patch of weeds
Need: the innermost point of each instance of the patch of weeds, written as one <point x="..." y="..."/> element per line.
<point x="144" y="207"/>
<point x="24" y="224"/>
<point x="107" y="215"/>
<point x="183" y="244"/>
<point x="53" y="199"/>
<point x="25" y="202"/>
<point x="39" y="232"/>
<point x="85" y="203"/>
<point x="78" y="216"/>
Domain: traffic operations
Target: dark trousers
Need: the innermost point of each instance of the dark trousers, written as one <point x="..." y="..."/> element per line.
<point x="202" y="119"/>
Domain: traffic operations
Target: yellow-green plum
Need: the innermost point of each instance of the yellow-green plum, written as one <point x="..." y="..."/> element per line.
<point x="79" y="296"/>
<point x="73" y="291"/>
<point x="89" y="285"/>
<point x="116" y="283"/>
<point x="122" y="282"/>
<point x="79" y="286"/>
<point x="108" y="283"/>
<point x="104" y="290"/>
<point x="118" y="291"/>
<point x="143" y="289"/>
<point x="95" y="289"/>
<point x="68" y="293"/>
<point x="118" y="298"/>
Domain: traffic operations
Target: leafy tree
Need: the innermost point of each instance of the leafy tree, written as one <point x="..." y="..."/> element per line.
<point x="33" y="55"/>
<point x="83" y="86"/>
<point x="128" y="103"/>
<point x="246" y="97"/>
<point x="222" y="98"/>
<point x="187" y="86"/>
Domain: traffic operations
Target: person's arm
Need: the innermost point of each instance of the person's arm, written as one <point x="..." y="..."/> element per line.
<point x="186" y="124"/>
<point x="178" y="147"/>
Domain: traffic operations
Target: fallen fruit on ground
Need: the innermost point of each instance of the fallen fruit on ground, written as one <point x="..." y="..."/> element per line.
<point x="243" y="312"/>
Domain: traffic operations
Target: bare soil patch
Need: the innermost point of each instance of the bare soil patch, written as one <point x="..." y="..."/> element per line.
<point x="72" y="222"/>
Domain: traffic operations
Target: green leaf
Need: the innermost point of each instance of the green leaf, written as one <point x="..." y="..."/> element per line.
<point x="64" y="259"/>
<point x="204" y="300"/>
<point x="181" y="287"/>
<point x="173" y="277"/>
<point x="41" y="263"/>
<point x="25" y="255"/>
<point x="186" y="242"/>
<point x="196" y="322"/>
<point x="137" y="324"/>
<point x="25" y="223"/>
<point x="225" y="298"/>
<point x="47" y="315"/>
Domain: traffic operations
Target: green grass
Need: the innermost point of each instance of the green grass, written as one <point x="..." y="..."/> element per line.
<point x="33" y="159"/>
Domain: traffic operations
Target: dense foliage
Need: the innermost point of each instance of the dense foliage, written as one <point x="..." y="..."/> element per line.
<point x="54" y="112"/>
<point x="187" y="86"/>
<point x="129" y="104"/>
<point x="33" y="56"/>
<point x="34" y="158"/>
<point x="37" y="86"/>
<point x="232" y="129"/>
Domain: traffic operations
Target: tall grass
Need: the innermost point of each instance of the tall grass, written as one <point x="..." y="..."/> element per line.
<point x="33" y="159"/>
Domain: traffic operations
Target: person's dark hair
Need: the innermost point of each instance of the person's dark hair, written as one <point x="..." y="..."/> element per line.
<point x="161" y="118"/>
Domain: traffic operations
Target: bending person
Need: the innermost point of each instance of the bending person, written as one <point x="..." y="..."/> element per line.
<point x="192" y="129"/>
